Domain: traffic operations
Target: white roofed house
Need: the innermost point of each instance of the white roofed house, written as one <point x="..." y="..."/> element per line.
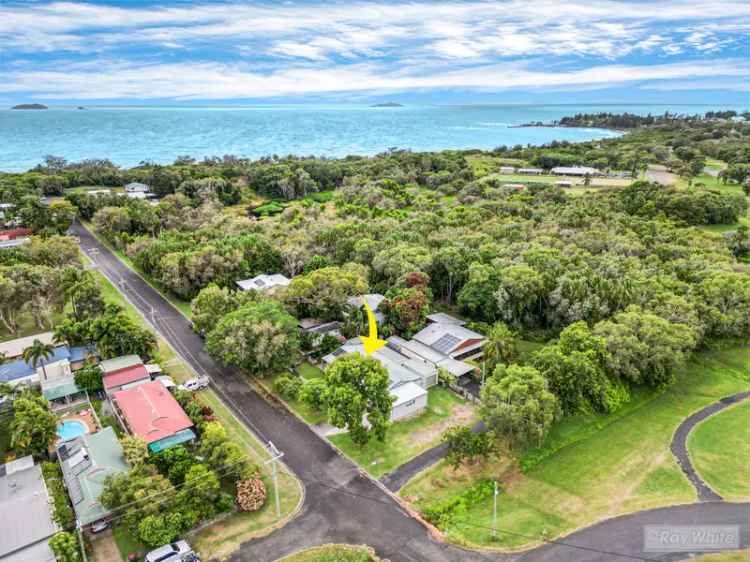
<point x="136" y="187"/>
<point x="578" y="171"/>
<point x="264" y="282"/>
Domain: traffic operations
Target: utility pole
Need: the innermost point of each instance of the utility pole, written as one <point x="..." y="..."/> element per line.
<point x="494" y="512"/>
<point x="275" y="455"/>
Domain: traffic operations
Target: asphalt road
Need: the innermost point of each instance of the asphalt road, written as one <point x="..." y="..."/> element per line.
<point x="343" y="506"/>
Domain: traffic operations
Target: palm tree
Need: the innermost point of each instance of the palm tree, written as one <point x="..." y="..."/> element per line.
<point x="37" y="353"/>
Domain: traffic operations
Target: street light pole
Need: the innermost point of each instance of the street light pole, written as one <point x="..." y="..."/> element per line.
<point x="275" y="455"/>
<point x="494" y="512"/>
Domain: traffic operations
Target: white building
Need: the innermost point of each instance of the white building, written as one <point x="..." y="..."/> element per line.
<point x="578" y="171"/>
<point x="264" y="282"/>
<point x="136" y="187"/>
<point x="530" y="171"/>
<point x="507" y="169"/>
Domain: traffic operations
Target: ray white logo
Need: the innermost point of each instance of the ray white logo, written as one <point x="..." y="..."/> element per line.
<point x="681" y="538"/>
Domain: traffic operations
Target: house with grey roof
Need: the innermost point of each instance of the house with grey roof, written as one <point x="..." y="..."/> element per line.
<point x="264" y="282"/>
<point x="449" y="336"/>
<point x="26" y="520"/>
<point x="86" y="462"/>
<point x="409" y="377"/>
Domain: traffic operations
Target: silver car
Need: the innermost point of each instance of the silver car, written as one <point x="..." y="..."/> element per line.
<point x="173" y="552"/>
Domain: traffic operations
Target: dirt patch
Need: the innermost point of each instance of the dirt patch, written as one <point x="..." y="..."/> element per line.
<point x="461" y="414"/>
<point x="104" y="547"/>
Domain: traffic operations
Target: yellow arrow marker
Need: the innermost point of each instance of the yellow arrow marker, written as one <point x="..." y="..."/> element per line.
<point x="371" y="342"/>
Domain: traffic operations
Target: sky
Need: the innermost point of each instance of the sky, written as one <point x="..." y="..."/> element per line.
<point x="512" y="51"/>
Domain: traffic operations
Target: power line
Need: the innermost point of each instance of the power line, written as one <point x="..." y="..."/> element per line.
<point x="499" y="529"/>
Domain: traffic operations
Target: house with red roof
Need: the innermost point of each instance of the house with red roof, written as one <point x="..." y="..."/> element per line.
<point x="150" y="411"/>
<point x="122" y="373"/>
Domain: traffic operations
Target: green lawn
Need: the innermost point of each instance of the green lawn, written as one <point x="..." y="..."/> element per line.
<point x="333" y="553"/>
<point x="406" y="439"/>
<point x="589" y="467"/>
<point x="720" y="449"/>
<point x="311" y="416"/>
<point x="126" y="543"/>
<point x="735" y="556"/>
<point x="309" y="371"/>
<point x="221" y="538"/>
<point x="27" y="326"/>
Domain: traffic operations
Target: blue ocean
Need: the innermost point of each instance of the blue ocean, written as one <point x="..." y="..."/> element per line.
<point x="130" y="135"/>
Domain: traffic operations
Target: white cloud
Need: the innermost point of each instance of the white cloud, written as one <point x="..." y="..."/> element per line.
<point x="274" y="49"/>
<point x="216" y="81"/>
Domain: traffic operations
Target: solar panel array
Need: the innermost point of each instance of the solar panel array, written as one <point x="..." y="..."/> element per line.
<point x="445" y="343"/>
<point x="77" y="461"/>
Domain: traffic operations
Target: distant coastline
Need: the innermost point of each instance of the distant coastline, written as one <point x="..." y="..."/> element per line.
<point x="29" y="106"/>
<point x="387" y="104"/>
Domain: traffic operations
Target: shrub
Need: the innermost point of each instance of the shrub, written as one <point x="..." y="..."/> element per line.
<point x="251" y="494"/>
<point x="62" y="513"/>
<point x="444" y="511"/>
<point x="288" y="387"/>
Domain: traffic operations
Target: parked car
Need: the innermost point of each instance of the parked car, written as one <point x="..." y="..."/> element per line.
<point x="173" y="552"/>
<point x="197" y="383"/>
<point x="100" y="526"/>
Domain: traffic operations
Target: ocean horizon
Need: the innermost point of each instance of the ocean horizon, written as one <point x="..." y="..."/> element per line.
<point x="130" y="134"/>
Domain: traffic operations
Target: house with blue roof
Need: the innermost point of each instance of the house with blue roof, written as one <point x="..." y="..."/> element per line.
<point x="55" y="374"/>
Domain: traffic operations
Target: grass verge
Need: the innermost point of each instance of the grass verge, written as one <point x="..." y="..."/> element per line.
<point x="590" y="467"/>
<point x="221" y="538"/>
<point x="720" y="450"/>
<point x="334" y="553"/>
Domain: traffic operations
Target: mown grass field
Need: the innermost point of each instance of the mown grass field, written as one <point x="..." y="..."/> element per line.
<point x="225" y="536"/>
<point x="720" y="449"/>
<point x="408" y="438"/>
<point x="590" y="467"/>
<point x="333" y="553"/>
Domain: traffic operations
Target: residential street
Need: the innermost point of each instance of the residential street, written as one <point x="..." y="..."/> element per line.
<point x="343" y="506"/>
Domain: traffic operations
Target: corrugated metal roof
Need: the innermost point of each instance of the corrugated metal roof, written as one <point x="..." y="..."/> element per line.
<point x="25" y="511"/>
<point x="86" y="461"/>
<point x="118" y="363"/>
<point x="151" y="411"/>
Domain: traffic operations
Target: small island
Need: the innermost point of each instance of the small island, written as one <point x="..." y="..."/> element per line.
<point x="29" y="106"/>
<point x="387" y="104"/>
<point x="80" y="107"/>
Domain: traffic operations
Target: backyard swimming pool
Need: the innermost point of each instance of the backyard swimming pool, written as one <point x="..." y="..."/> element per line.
<point x="70" y="429"/>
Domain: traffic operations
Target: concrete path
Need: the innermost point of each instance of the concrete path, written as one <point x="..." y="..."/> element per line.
<point x="343" y="505"/>
<point x="680" y="450"/>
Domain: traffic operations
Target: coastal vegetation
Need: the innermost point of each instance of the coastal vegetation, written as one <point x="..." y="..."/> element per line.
<point x="610" y="312"/>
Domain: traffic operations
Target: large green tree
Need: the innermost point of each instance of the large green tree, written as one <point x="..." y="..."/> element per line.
<point x="643" y="347"/>
<point x="34" y="427"/>
<point x="322" y="293"/>
<point x="260" y="337"/>
<point x="518" y="405"/>
<point x="357" y="389"/>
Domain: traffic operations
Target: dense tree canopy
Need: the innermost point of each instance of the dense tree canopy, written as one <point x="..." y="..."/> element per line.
<point x="260" y="337"/>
